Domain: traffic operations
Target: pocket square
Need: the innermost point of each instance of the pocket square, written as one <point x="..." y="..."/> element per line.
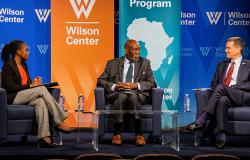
<point x="143" y="72"/>
<point x="243" y="63"/>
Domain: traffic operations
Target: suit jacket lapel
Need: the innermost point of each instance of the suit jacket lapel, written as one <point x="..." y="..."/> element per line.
<point x="121" y="65"/>
<point x="137" y="66"/>
<point x="225" y="69"/>
<point x="18" y="75"/>
<point x="242" y="66"/>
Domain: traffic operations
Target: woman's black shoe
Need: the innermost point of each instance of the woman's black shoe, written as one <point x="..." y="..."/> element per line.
<point x="43" y="143"/>
<point x="64" y="131"/>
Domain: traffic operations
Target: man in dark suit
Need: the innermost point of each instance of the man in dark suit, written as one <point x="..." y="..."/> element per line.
<point x="128" y="82"/>
<point x="231" y="86"/>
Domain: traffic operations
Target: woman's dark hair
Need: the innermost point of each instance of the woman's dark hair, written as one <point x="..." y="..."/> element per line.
<point x="10" y="48"/>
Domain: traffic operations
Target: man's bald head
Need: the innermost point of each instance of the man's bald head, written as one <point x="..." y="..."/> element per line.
<point x="132" y="50"/>
<point x="128" y="43"/>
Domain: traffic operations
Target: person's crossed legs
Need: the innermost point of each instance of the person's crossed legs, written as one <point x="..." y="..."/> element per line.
<point x="222" y="98"/>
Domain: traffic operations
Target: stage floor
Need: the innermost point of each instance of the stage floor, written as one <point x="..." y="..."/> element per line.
<point x="13" y="147"/>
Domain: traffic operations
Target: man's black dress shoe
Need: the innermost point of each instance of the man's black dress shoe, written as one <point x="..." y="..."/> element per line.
<point x="221" y="144"/>
<point x="193" y="127"/>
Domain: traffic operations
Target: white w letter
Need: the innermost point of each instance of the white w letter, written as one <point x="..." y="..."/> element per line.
<point x="82" y="9"/>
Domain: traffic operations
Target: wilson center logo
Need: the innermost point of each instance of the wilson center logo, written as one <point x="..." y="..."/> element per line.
<point x="87" y="3"/>
<point x="205" y="50"/>
<point x="42" y="48"/>
<point x="246" y="51"/>
<point x="42" y="14"/>
<point x="214" y="17"/>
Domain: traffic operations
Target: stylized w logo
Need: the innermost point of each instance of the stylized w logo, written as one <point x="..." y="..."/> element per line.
<point x="205" y="50"/>
<point x="89" y="3"/>
<point x="246" y="51"/>
<point x="42" y="14"/>
<point x="42" y="48"/>
<point x="214" y="17"/>
<point x="1" y="47"/>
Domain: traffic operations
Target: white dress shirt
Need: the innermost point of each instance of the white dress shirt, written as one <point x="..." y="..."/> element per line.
<point x="235" y="72"/>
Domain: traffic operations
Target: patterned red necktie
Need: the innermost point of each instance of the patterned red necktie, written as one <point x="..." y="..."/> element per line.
<point x="229" y="75"/>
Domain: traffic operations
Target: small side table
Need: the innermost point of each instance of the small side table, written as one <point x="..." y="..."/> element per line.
<point x="81" y="118"/>
<point x="186" y="118"/>
<point x="170" y="131"/>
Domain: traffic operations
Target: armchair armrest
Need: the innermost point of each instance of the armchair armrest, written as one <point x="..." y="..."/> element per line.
<point x="99" y="98"/>
<point x="99" y="105"/>
<point x="3" y="114"/>
<point x="202" y="97"/>
<point x="157" y="95"/>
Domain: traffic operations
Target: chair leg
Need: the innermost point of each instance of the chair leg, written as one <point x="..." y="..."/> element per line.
<point x="100" y="140"/>
<point x="151" y="138"/>
<point x="158" y="140"/>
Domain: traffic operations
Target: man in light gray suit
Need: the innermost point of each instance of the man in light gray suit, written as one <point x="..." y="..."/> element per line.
<point x="128" y="82"/>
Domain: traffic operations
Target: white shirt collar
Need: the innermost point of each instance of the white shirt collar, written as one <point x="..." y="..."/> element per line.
<point x="126" y="60"/>
<point x="237" y="61"/>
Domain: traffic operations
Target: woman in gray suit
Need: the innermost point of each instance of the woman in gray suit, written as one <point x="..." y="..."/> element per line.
<point x="18" y="85"/>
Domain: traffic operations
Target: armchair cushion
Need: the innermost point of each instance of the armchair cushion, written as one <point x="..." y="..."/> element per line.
<point x="22" y="127"/>
<point x="20" y="112"/>
<point x="239" y="114"/>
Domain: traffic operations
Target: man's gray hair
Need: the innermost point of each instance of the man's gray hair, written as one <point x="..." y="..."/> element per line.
<point x="238" y="42"/>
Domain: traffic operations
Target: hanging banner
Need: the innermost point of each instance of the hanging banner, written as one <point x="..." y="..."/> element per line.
<point x="206" y="26"/>
<point x="82" y="41"/>
<point x="156" y="26"/>
<point x="28" y="21"/>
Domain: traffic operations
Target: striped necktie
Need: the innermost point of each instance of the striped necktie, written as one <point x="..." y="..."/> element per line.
<point x="129" y="73"/>
<point x="229" y="75"/>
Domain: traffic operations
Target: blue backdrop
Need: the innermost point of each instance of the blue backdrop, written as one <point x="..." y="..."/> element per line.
<point x="29" y="21"/>
<point x="206" y="26"/>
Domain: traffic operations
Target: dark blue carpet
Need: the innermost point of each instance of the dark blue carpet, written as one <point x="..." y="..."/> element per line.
<point x="13" y="147"/>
